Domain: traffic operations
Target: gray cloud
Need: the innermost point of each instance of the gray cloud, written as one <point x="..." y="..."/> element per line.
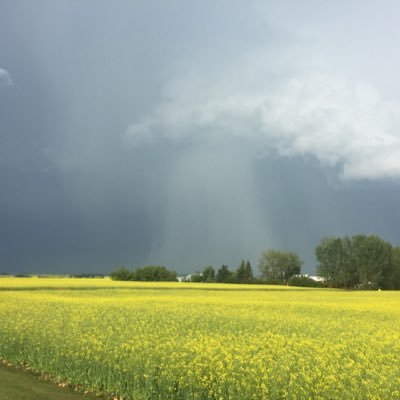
<point x="338" y="121"/>
<point x="5" y="78"/>
<point x="194" y="133"/>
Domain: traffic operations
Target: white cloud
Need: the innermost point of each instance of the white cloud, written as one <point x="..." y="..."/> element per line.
<point x="5" y="78"/>
<point x="307" y="112"/>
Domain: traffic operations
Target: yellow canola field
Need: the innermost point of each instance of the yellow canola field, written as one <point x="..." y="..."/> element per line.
<point x="204" y="341"/>
<point x="7" y="283"/>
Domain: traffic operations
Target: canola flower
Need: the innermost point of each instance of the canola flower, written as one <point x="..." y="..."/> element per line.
<point x="204" y="341"/>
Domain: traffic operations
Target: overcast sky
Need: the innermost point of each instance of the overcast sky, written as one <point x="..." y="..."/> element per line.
<point x="194" y="133"/>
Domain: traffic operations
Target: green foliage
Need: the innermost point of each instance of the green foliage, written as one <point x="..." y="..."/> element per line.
<point x="304" y="281"/>
<point x="393" y="276"/>
<point x="196" y="277"/>
<point x="279" y="266"/>
<point x="335" y="262"/>
<point x="150" y="273"/>
<point x="208" y="274"/>
<point x="121" y="274"/>
<point x="244" y="273"/>
<point x="87" y="275"/>
<point x="361" y="261"/>
<point x="154" y="273"/>
<point x="372" y="258"/>
<point x="224" y="275"/>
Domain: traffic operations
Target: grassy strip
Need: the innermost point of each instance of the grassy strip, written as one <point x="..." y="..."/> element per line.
<point x="16" y="384"/>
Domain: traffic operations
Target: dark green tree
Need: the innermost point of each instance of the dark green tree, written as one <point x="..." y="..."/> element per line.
<point x="372" y="258"/>
<point x="393" y="276"/>
<point x="224" y="275"/>
<point x="279" y="266"/>
<point x="154" y="273"/>
<point x="208" y="274"/>
<point x="121" y="274"/>
<point x="196" y="277"/>
<point x="362" y="261"/>
<point x="335" y="263"/>
<point x="244" y="273"/>
<point x="249" y="272"/>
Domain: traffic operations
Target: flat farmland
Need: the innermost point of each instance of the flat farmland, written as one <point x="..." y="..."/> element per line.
<point x="203" y="341"/>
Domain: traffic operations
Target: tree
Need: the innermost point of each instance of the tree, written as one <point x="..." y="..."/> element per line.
<point x="393" y="276"/>
<point x="276" y="265"/>
<point x="244" y="273"/>
<point x="196" y="277"/>
<point x="373" y="260"/>
<point x="121" y="274"/>
<point x="208" y="274"/>
<point x="224" y="275"/>
<point x="334" y="262"/>
<point x="154" y="273"/>
<point x="362" y="261"/>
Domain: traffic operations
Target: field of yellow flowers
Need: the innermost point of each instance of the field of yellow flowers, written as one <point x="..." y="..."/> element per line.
<point x="203" y="341"/>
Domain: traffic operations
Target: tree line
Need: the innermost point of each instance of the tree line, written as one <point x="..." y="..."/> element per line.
<point x="360" y="261"/>
<point x="149" y="273"/>
<point x="243" y="274"/>
<point x="276" y="267"/>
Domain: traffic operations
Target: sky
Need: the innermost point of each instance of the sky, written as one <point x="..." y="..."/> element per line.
<point x="188" y="134"/>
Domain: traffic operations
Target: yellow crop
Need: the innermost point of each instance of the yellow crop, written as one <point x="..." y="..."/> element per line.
<point x="204" y="341"/>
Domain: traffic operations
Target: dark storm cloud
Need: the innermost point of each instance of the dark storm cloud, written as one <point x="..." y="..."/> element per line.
<point x="193" y="134"/>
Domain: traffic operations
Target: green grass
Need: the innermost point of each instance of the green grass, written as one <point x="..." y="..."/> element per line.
<point x="20" y="385"/>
